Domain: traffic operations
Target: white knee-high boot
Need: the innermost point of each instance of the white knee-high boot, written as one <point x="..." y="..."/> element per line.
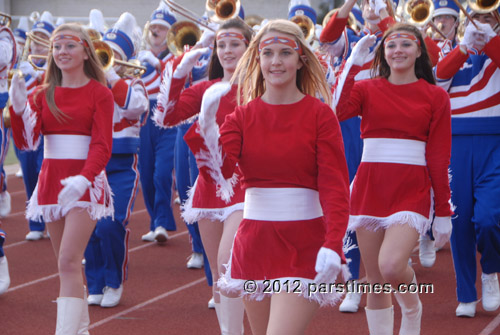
<point x="411" y="310"/>
<point x="230" y="314"/>
<point x="83" y="329"/>
<point x="69" y="314"/>
<point x="380" y="321"/>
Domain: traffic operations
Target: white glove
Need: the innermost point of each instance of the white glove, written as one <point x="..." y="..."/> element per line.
<point x="441" y="229"/>
<point x="188" y="62"/>
<point x="111" y="75"/>
<point x="210" y="105"/>
<point x="74" y="188"/>
<point x="477" y="38"/>
<point x="208" y="36"/>
<point x="327" y="266"/>
<point x="146" y="56"/>
<point x="27" y="69"/>
<point x="378" y="5"/>
<point x="361" y="50"/>
<point x="18" y="94"/>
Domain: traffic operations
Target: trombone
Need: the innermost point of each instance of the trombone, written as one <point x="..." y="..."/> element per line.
<point x="188" y="14"/>
<point x="484" y="7"/>
<point x="5" y="19"/>
<point x="222" y="10"/>
<point x="419" y="13"/>
<point x="180" y="34"/>
<point x="107" y="58"/>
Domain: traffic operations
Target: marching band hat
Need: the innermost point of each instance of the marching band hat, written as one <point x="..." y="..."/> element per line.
<point x="445" y="7"/>
<point x="301" y="7"/>
<point x="122" y="38"/>
<point x="45" y="25"/>
<point x="21" y="30"/>
<point x="163" y="16"/>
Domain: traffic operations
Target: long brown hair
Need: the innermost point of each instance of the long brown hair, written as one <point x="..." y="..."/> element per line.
<point x="311" y="78"/>
<point x="215" y="69"/>
<point x="423" y="65"/>
<point x="53" y="76"/>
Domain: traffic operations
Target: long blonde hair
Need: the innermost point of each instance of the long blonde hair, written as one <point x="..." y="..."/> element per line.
<point x="311" y="77"/>
<point x="53" y="76"/>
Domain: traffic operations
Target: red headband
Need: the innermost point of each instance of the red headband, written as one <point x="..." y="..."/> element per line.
<point x="70" y="37"/>
<point x="233" y="35"/>
<point x="402" y="35"/>
<point x="281" y="40"/>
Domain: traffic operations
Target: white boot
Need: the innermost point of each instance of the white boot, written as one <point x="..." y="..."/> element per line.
<point x="380" y="321"/>
<point x="83" y="329"/>
<point x="411" y="309"/>
<point x="4" y="275"/>
<point x="230" y="314"/>
<point x="69" y="314"/>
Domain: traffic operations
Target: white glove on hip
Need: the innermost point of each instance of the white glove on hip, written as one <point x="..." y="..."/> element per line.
<point x="361" y="50"/>
<point x="111" y="75"/>
<point x="146" y="56"/>
<point x="18" y="94"/>
<point x="378" y="5"/>
<point x="210" y="105"/>
<point x="27" y="69"/>
<point x="327" y="266"/>
<point x="188" y="62"/>
<point x="441" y="229"/>
<point x="74" y="188"/>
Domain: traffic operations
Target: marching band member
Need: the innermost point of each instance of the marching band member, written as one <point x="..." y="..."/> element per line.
<point x="217" y="219"/>
<point x="31" y="161"/>
<point x="471" y="73"/>
<point x="7" y="60"/>
<point x="156" y="154"/>
<point x="106" y="256"/>
<point x="402" y="111"/>
<point x="73" y="110"/>
<point x="296" y="209"/>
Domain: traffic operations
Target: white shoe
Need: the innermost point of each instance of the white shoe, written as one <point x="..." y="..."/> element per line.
<point x="19" y="173"/>
<point x="94" y="299"/>
<point x="149" y="237"/>
<point x="211" y="303"/>
<point x="34" y="235"/>
<point x="111" y="296"/>
<point x="427" y="251"/>
<point x="4" y="204"/>
<point x="350" y="304"/>
<point x="466" y="309"/>
<point x="491" y="292"/>
<point x="161" y="235"/>
<point x="195" y="261"/>
<point x="4" y="275"/>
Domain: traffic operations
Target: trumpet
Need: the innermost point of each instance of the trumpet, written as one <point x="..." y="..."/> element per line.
<point x="182" y="33"/>
<point x="5" y="20"/>
<point x="107" y="58"/>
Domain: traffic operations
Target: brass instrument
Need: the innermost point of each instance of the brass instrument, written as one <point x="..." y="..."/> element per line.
<point x="352" y="22"/>
<point x="253" y="20"/>
<point x="94" y="34"/>
<point x="36" y="67"/>
<point x="5" y="19"/>
<point x="107" y="58"/>
<point x="307" y="26"/>
<point x="221" y="10"/>
<point x="188" y="14"/>
<point x="36" y="39"/>
<point x="419" y="13"/>
<point x="485" y="6"/>
<point x="464" y="12"/>
<point x="180" y="34"/>
<point x="6" y="116"/>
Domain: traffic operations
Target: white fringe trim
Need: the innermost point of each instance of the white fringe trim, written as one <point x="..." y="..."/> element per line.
<point x="373" y="223"/>
<point x="191" y="214"/>
<point x="30" y="119"/>
<point x="163" y="99"/>
<point x="96" y="211"/>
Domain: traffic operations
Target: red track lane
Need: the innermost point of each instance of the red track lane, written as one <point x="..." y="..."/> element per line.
<point x="161" y="296"/>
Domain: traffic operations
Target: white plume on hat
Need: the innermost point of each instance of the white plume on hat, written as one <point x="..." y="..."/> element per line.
<point x="127" y="25"/>
<point x="60" y="20"/>
<point x="96" y="20"/>
<point x="23" y="24"/>
<point x="294" y="3"/>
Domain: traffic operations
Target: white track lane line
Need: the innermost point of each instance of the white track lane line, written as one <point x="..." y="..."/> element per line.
<point x="490" y="328"/>
<point x="36" y="281"/>
<point x="145" y="303"/>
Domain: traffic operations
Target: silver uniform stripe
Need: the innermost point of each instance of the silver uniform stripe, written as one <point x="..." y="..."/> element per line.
<point x="281" y="204"/>
<point x="392" y="150"/>
<point x="66" y="146"/>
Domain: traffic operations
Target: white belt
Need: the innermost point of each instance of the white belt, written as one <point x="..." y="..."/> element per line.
<point x="391" y="150"/>
<point x="66" y="146"/>
<point x="281" y="204"/>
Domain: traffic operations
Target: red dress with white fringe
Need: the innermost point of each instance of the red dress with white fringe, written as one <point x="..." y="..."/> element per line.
<point x="386" y="191"/>
<point x="285" y="149"/>
<point x="185" y="104"/>
<point x="90" y="112"/>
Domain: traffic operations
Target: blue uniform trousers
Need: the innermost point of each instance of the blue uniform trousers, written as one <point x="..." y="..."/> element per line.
<point x="2" y="239"/>
<point x="475" y="186"/>
<point x="186" y="172"/>
<point x="353" y="147"/>
<point x="106" y="255"/>
<point x="156" y="163"/>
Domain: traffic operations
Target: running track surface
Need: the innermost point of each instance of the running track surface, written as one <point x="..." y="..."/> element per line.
<point x="162" y="296"/>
